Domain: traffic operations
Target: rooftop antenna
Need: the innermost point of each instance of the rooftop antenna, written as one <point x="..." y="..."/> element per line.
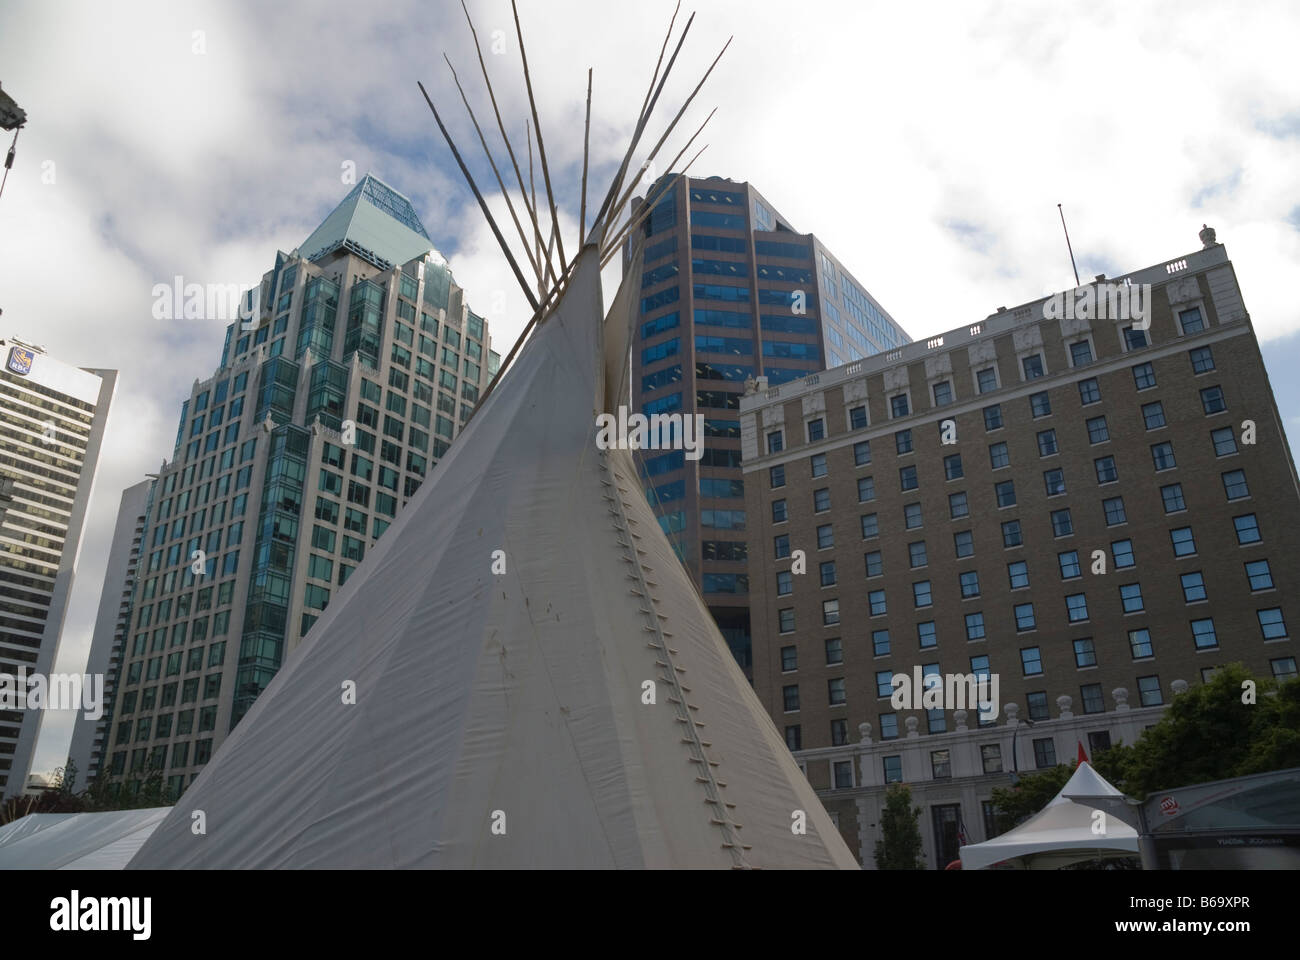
<point x="1067" y="245"/>
<point x="12" y="117"/>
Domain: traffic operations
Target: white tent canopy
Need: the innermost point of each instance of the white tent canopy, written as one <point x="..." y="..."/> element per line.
<point x="1065" y="831"/>
<point x="77" y="841"/>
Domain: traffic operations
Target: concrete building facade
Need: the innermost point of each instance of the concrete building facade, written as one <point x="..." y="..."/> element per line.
<point x="52" y="419"/>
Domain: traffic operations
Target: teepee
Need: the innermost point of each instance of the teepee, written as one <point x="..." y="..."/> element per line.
<point x="537" y="681"/>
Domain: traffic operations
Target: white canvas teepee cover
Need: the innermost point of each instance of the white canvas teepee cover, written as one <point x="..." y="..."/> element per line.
<point x="1063" y="832"/>
<point x="499" y="719"/>
<point x="104" y="840"/>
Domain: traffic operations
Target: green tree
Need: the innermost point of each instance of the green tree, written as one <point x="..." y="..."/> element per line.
<point x="899" y="847"/>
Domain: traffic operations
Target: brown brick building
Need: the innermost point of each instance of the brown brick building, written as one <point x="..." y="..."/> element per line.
<point x="1077" y="444"/>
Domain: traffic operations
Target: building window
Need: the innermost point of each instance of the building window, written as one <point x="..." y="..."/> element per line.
<point x="1106" y="470"/>
<point x="857" y="418"/>
<point x="970" y="584"/>
<point x="1121" y="552"/>
<point x="1172" y="495"/>
<point x="825" y="536"/>
<point x="1076" y="607"/>
<point x="1084" y="653"/>
<point x="1046" y="443"/>
<point x="1153" y="415"/>
<point x="839" y="737"/>
<point x="1018" y="574"/>
<point x="1040" y="405"/>
<point x="1225" y="441"/>
<point x="987" y="379"/>
<point x="876" y="599"/>
<point x="776" y="476"/>
<point x="862" y="453"/>
<point x="830" y="612"/>
<point x="874" y="565"/>
<point x="821" y="500"/>
<point x="1162" y="456"/>
<point x="1089" y="391"/>
<point x="1193" y="587"/>
<point x="1062" y="523"/>
<point x="866" y="489"/>
<point x="993" y="417"/>
<point x="1149" y="691"/>
<point x="1283" y="668"/>
<point x="1190" y="320"/>
<point x="1097" y="430"/>
<point x="898" y="405"/>
<point x="912" y="516"/>
<point x="940" y="764"/>
<point x="1044" y="753"/>
<point x="957" y="506"/>
<point x="1011" y="536"/>
<point x="975" y="626"/>
<point x="1025" y="617"/>
<point x="834" y="651"/>
<point x="818" y="462"/>
<point x="775" y="442"/>
<point x="781" y="546"/>
<point x="1202" y="360"/>
<point x="1054" y="482"/>
<point x="793" y="738"/>
<point x="991" y="757"/>
<point x="916" y="554"/>
<point x="1092" y="698"/>
<point x="1234" y="485"/>
<point x="1212" y="400"/>
<point x="1139" y="643"/>
<point x="893" y="767"/>
<point x="835" y="695"/>
<point x="942" y="393"/>
<point x="926" y="636"/>
<point x="888" y="726"/>
<point x="1259" y="575"/>
<point x="779" y="514"/>
<point x="880" y="643"/>
<point x="1271" y="623"/>
<point x="1006" y="493"/>
<point x="952" y="469"/>
<point x="1033" y="366"/>
<point x="999" y="457"/>
<point x="1247" y="527"/>
<point x="907" y="479"/>
<point x="827" y="571"/>
<point x="963" y="543"/>
<point x="1113" y="507"/>
<point x="816" y="430"/>
<point x="790" y="697"/>
<point x="1203" y="633"/>
<point x="1130" y="595"/>
<point x="884" y="683"/>
<point x="903" y="442"/>
<point x="785" y="619"/>
<point x="921" y="594"/>
<point x="789" y="659"/>
<point x="1069" y="562"/>
<point x="1144" y="376"/>
<point x="1183" y="541"/>
<point x="1081" y="356"/>
<point x="1134" y="339"/>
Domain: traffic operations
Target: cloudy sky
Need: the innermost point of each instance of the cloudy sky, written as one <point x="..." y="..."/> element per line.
<point x="927" y="145"/>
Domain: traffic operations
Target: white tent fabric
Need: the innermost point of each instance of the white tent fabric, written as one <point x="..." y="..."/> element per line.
<point x="1062" y="832"/>
<point x="500" y="719"/>
<point x="77" y="841"/>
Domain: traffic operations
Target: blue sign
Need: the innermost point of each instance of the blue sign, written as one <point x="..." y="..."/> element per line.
<point x="20" y="361"/>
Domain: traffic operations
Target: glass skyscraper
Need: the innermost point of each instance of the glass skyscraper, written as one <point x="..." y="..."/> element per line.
<point x="731" y="291"/>
<point x="360" y="365"/>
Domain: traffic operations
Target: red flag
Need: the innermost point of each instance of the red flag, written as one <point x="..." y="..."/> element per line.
<point x="1083" y="755"/>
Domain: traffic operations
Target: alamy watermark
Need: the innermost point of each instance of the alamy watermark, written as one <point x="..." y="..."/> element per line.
<point x="206" y="301"/>
<point x="953" y="691"/>
<point x="1103" y="301"/>
<point x="659" y="431"/>
<point x="58" y="691"/>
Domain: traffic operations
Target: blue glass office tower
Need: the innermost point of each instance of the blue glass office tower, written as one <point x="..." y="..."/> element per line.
<point x="731" y="290"/>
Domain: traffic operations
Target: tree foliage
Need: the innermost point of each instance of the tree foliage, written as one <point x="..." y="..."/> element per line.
<point x="900" y="845"/>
